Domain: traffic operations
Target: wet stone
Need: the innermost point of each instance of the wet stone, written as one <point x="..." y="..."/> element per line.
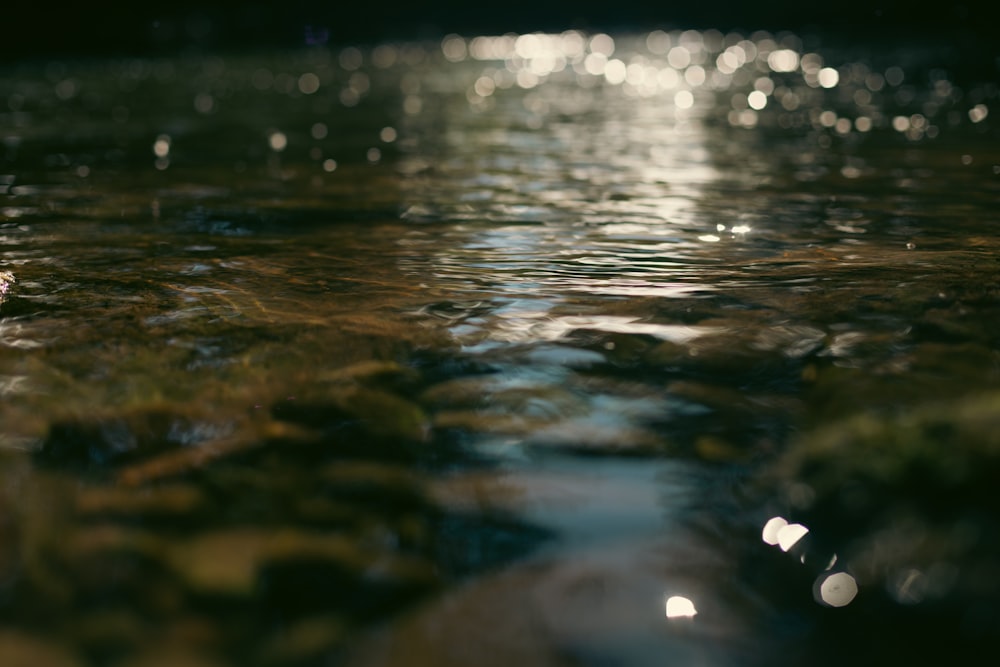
<point x="537" y="401"/>
<point x="304" y="641"/>
<point x="119" y="437"/>
<point x="499" y="399"/>
<point x="931" y="363"/>
<point x="356" y="411"/>
<point x="951" y="446"/>
<point x="466" y="391"/>
<point x="899" y="375"/>
<point x="110" y="631"/>
<point x="388" y="487"/>
<point x="96" y="559"/>
<point x="162" y="501"/>
<point x="324" y="512"/>
<point x="961" y="322"/>
<point x="853" y="346"/>
<point x="718" y="450"/>
<point x="616" y="348"/>
<point x="222" y="562"/>
<point x="592" y="607"/>
<point x="474" y="421"/>
<point x="389" y="375"/>
<point x="907" y="491"/>
<point x="727" y="356"/>
<point x="287" y="562"/>
<point x="311" y="585"/>
<point x="172" y="656"/>
<point x="19" y="649"/>
<point x="730" y="402"/>
<point x="258" y="435"/>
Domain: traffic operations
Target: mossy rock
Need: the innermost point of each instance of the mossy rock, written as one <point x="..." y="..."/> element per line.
<point x="19" y="649"/>
<point x="904" y="497"/>
<point x="948" y="448"/>
<point x="115" y="437"/>
<point x="304" y="641"/>
<point x="356" y="412"/>
<point x="287" y="564"/>
<point x="741" y="353"/>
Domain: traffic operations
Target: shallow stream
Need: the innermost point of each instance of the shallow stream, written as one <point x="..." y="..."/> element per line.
<point x="538" y="349"/>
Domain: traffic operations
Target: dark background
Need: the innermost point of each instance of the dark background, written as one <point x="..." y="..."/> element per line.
<point x="99" y="27"/>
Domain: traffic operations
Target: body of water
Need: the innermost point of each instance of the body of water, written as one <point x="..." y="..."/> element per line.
<point x="555" y="349"/>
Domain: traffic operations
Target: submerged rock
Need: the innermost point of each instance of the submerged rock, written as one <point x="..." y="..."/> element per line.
<point x="115" y="437"/>
<point x="897" y="372"/>
<point x="375" y="372"/>
<point x="163" y="501"/>
<point x="358" y="411"/>
<point x="299" y="569"/>
<point x="906" y="500"/>
<point x="172" y="656"/>
<point x="22" y="650"/>
<point x="598" y="607"/>
<point x="933" y="454"/>
<point x="741" y="351"/>
<point x="306" y="641"/>
<point x="378" y="486"/>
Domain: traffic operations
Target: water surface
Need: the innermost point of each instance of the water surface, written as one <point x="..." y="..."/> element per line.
<point x="499" y="348"/>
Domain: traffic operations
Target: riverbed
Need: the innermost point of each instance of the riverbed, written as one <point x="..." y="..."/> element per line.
<point x="556" y="349"/>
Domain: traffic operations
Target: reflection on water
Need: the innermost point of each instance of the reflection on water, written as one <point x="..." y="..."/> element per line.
<point x="680" y="607"/>
<point x="832" y="588"/>
<point x="790" y="535"/>
<point x="523" y="328"/>
<point x="836" y="590"/>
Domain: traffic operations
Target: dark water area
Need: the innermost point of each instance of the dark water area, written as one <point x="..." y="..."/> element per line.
<point x="564" y="348"/>
<point x="108" y="28"/>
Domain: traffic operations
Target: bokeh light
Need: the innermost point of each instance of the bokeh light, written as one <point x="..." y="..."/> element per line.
<point x="678" y="606"/>
<point x="161" y="147"/>
<point x="772" y="528"/>
<point x="308" y="83"/>
<point x="790" y="535"/>
<point x="277" y="141"/>
<point x="837" y="589"/>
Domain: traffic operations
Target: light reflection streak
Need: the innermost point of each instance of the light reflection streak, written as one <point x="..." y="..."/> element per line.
<point x="531" y="321"/>
<point x="616" y="210"/>
<point x="573" y="232"/>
